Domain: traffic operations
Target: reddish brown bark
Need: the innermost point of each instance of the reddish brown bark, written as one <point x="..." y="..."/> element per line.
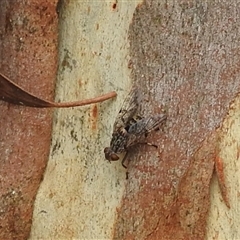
<point x="185" y="56"/>
<point x="28" y="38"/>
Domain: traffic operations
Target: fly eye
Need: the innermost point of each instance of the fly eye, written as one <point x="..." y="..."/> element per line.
<point x="106" y="150"/>
<point x="114" y="157"/>
<point x="110" y="155"/>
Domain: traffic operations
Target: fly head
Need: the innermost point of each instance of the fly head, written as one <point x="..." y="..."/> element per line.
<point x="110" y="155"/>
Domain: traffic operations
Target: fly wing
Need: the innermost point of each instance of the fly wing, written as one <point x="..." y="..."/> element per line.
<point x="137" y="131"/>
<point x="127" y="111"/>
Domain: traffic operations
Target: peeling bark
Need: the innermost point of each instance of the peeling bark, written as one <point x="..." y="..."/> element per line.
<point x="185" y="56"/>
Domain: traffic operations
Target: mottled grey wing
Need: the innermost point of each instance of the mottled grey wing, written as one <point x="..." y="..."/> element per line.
<point x="128" y="110"/>
<point x="137" y="131"/>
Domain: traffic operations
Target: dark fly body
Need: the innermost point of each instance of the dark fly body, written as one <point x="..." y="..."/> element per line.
<point x="130" y="129"/>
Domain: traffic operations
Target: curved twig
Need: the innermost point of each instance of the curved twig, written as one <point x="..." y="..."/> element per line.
<point x="12" y="93"/>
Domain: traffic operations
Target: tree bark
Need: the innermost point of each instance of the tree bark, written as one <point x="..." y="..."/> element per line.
<point x="28" y="38"/>
<point x="185" y="58"/>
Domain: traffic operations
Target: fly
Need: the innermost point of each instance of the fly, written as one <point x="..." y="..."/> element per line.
<point x="130" y="129"/>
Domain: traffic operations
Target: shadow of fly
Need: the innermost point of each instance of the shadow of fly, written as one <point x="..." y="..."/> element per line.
<point x="130" y="129"/>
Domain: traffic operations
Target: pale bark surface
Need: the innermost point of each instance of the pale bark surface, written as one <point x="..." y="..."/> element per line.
<point x="81" y="190"/>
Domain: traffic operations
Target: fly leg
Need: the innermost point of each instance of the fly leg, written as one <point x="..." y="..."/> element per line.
<point x="124" y="160"/>
<point x="151" y="144"/>
<point x="123" y="164"/>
